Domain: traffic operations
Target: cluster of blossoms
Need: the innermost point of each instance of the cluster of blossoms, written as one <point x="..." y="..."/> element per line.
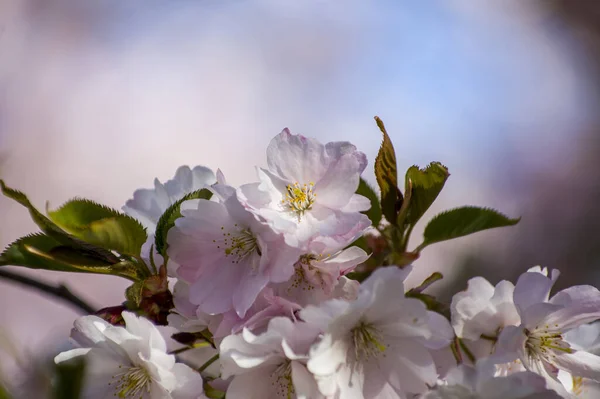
<point x="270" y="299"/>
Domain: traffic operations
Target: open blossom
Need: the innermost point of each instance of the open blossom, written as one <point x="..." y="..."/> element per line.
<point x="466" y="382"/>
<point x="308" y="190"/>
<point x="129" y="362"/>
<point x="483" y="309"/>
<point x="319" y="275"/>
<point x="377" y="345"/>
<point x="227" y="255"/>
<point x="148" y="205"/>
<point x="272" y="364"/>
<point x="539" y="343"/>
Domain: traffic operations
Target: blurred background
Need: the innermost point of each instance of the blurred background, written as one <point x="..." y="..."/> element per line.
<point x="98" y="98"/>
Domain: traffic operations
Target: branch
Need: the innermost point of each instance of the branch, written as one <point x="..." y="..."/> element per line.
<point x="61" y="292"/>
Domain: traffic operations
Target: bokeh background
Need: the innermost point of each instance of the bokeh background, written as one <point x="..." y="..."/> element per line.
<point x="99" y="97"/>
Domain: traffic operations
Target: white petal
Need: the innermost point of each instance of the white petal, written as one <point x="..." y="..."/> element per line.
<point x="189" y="382"/>
<point x="297" y="158"/>
<point x="144" y="329"/>
<point x="357" y="203"/>
<point x="531" y="288"/>
<point x="89" y="330"/>
<point x="71" y="354"/>
<point x="580" y="364"/>
<point x="304" y="383"/>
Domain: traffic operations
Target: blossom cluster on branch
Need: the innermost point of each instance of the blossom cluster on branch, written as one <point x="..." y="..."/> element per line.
<point x="295" y="287"/>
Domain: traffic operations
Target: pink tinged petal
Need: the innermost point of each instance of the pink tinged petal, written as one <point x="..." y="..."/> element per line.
<point x="304" y="382"/>
<point x="442" y="332"/>
<point x="537" y="315"/>
<point x="357" y="203"/>
<point x="213" y="293"/>
<point x="253" y="198"/>
<point x="222" y="191"/>
<point x="189" y="382"/>
<point x="346" y="260"/>
<point x="297" y="158"/>
<point x="511" y="342"/>
<point x="409" y="365"/>
<point x="255" y="384"/>
<point x="575" y="314"/>
<point x="579" y="364"/>
<point x="338" y="185"/>
<point x="148" y="205"/>
<point x="325" y="313"/>
<point x="575" y="294"/>
<point x="246" y="292"/>
<point x="531" y="288"/>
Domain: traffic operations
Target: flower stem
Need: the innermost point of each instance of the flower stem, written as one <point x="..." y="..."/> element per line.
<point x="208" y="363"/>
<point x="61" y="291"/>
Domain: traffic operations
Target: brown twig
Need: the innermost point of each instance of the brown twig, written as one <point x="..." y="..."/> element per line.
<point x="61" y="292"/>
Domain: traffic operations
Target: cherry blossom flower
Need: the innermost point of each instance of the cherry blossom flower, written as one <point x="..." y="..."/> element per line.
<point x="308" y="190"/>
<point x="483" y="309"/>
<point x="377" y="345"/>
<point x="466" y="382"/>
<point x="319" y="276"/>
<point x="539" y="342"/>
<point x="272" y="364"/>
<point x="148" y="205"/>
<point x="129" y="362"/>
<point x="227" y="255"/>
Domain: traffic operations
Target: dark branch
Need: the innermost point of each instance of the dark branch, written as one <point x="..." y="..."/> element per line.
<point x="61" y="292"/>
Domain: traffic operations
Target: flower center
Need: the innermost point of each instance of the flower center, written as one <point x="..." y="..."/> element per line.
<point x="367" y="341"/>
<point x="542" y="343"/>
<point x="238" y="245"/>
<point x="131" y="383"/>
<point x="306" y="275"/>
<point x="281" y="380"/>
<point x="299" y="198"/>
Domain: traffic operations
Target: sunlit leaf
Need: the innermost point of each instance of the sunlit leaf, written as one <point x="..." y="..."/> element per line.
<point x="425" y="185"/>
<point x="39" y="251"/>
<point x="100" y="225"/>
<point x="463" y="221"/>
<point x="387" y="177"/>
<point x="53" y="230"/>
<point x="167" y="220"/>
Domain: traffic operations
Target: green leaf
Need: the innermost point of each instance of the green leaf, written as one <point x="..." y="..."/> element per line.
<point x="463" y="221"/>
<point x="100" y="225"/>
<point x="53" y="230"/>
<point x="167" y="220"/>
<point x="69" y="379"/>
<point x="424" y="185"/>
<point x="374" y="213"/>
<point x="3" y="392"/>
<point x="387" y="176"/>
<point x="39" y="251"/>
<point x="133" y="293"/>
